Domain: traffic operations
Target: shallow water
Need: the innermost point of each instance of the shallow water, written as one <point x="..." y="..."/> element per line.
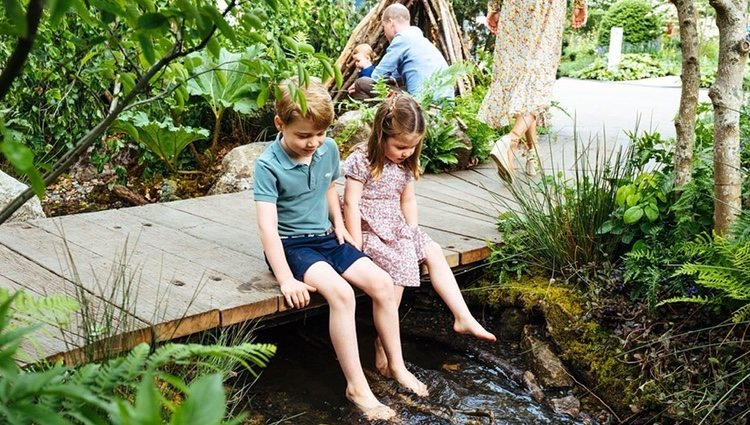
<point x="304" y="385"/>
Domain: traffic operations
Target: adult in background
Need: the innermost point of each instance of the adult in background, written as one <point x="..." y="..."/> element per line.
<point x="410" y="57"/>
<point x="527" y="53"/>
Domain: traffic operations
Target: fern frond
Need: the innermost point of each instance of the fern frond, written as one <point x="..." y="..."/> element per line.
<point x="694" y="300"/>
<point x="244" y="354"/>
<point x="741" y="314"/>
<point x="125" y="369"/>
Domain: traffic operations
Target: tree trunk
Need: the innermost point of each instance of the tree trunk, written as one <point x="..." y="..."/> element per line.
<point x="727" y="96"/>
<point x="684" y="124"/>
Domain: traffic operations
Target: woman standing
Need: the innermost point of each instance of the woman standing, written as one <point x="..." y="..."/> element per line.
<point x="527" y="53"/>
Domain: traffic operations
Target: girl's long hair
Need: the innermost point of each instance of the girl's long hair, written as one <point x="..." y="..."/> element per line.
<point x="398" y="114"/>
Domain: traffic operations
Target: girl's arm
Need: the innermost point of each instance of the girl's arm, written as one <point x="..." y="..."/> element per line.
<point x="295" y="292"/>
<point x="409" y="204"/>
<point x="352" y="217"/>
<point x="334" y="212"/>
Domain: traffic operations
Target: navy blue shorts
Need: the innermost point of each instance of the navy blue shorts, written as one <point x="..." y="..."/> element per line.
<point x="303" y="252"/>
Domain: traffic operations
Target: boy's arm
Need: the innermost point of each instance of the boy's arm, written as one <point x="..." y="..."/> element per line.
<point x="295" y="292"/>
<point x="334" y="212"/>
<point x="409" y="204"/>
<point x="352" y="217"/>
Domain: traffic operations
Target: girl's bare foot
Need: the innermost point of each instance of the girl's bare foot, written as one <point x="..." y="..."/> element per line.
<point x="472" y="327"/>
<point x="370" y="406"/>
<point x="408" y="380"/>
<point x="381" y="360"/>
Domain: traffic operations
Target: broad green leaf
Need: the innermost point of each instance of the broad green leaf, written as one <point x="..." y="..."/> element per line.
<point x="291" y="43"/>
<point x="147" y="5"/>
<point x="338" y="76"/>
<point x="205" y="402"/>
<point x="652" y="212"/>
<point x="147" y="406"/>
<point x="213" y="47"/>
<point x="632" y="215"/>
<point x="306" y="48"/>
<point x="262" y="96"/>
<point x="18" y="154"/>
<point x="622" y="194"/>
<point x="58" y="9"/>
<point x="633" y="199"/>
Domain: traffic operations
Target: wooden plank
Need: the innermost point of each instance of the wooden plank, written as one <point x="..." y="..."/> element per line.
<point x="244" y="288"/>
<point x="163" y="287"/>
<point x="19" y="273"/>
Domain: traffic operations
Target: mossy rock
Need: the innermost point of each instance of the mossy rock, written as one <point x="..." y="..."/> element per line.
<point x="585" y="346"/>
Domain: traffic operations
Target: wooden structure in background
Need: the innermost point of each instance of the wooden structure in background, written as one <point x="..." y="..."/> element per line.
<point x="434" y="17"/>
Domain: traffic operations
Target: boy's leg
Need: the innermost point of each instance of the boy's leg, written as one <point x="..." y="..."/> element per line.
<point x="381" y="360"/>
<point x="342" y="328"/>
<point x="445" y="285"/>
<point x="376" y="283"/>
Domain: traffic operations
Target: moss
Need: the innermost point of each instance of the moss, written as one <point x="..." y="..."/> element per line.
<point x="584" y="345"/>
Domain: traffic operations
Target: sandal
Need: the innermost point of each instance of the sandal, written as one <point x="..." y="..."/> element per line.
<point x="499" y="154"/>
<point x="533" y="166"/>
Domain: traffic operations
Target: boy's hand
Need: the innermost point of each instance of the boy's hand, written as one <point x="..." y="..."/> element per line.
<point x="343" y="235"/>
<point x="296" y="293"/>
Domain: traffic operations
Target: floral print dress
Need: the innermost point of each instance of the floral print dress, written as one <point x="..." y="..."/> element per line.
<point x="527" y="53"/>
<point x="393" y="245"/>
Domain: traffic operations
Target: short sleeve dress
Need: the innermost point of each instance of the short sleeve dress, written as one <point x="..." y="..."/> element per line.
<point x="393" y="245"/>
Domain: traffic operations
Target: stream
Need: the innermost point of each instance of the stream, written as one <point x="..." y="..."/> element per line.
<point x="304" y="385"/>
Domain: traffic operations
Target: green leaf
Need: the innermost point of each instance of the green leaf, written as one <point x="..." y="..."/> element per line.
<point x="622" y="194"/>
<point x="205" y="403"/>
<point x="220" y="23"/>
<point x="18" y="154"/>
<point x="58" y="9"/>
<point x="291" y="43"/>
<point x="633" y="199"/>
<point x="306" y="48"/>
<point x="251" y="21"/>
<point x="147" y="48"/>
<point x="632" y="215"/>
<point x="262" y="96"/>
<point x="147" y="5"/>
<point x="213" y="47"/>
<point x="147" y="406"/>
<point x="652" y="212"/>
<point x="15" y="15"/>
<point x="152" y="21"/>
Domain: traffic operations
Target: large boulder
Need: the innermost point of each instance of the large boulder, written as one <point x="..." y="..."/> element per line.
<point x="10" y="188"/>
<point x="237" y="169"/>
<point x="351" y="129"/>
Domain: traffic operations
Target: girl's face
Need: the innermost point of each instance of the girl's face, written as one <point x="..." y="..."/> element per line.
<point x="399" y="148"/>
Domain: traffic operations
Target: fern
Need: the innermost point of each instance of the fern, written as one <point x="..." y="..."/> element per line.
<point x="726" y="272"/>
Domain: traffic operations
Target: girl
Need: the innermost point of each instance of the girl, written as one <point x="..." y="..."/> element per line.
<point x="380" y="211"/>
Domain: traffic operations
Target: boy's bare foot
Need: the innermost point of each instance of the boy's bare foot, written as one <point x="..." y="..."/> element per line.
<point x="472" y="327"/>
<point x="408" y="380"/>
<point x="371" y="407"/>
<point x="381" y="360"/>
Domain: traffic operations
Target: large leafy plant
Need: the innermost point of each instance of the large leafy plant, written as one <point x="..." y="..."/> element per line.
<point x="163" y="138"/>
<point x="139" y="388"/>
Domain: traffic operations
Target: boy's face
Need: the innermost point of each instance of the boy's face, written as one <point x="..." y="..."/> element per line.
<point x="300" y="138"/>
<point x="401" y="147"/>
<point x="361" y="60"/>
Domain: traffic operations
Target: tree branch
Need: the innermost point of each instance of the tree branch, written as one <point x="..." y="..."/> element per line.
<point x="86" y="141"/>
<point x="16" y="60"/>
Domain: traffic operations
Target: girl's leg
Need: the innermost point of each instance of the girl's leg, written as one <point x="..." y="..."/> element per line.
<point x="446" y="286"/>
<point x="381" y="360"/>
<point x="342" y="328"/>
<point x="376" y="283"/>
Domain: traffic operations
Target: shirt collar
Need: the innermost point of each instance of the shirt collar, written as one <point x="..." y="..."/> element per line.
<point x="283" y="157"/>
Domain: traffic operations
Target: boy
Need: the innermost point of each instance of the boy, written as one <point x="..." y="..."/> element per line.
<point x="305" y="240"/>
<point x="363" y="56"/>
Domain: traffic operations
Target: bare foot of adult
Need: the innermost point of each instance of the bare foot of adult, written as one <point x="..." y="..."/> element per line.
<point x="408" y="380"/>
<point x="470" y="326"/>
<point x="371" y="407"/>
<point x="381" y="360"/>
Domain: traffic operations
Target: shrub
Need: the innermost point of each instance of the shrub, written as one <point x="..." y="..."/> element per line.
<point x="637" y="19"/>
<point x="634" y="66"/>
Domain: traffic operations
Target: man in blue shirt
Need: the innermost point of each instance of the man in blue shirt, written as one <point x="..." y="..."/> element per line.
<point x="410" y="56"/>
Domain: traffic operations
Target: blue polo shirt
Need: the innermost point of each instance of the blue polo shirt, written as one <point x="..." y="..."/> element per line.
<point x="298" y="190"/>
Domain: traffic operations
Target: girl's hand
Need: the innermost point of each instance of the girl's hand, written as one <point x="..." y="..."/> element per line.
<point x="343" y="235"/>
<point x="296" y="293"/>
<point x="579" y="17"/>
<point x="492" y="19"/>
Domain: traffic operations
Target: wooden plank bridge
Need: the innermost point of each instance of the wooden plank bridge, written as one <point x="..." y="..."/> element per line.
<point x="167" y="270"/>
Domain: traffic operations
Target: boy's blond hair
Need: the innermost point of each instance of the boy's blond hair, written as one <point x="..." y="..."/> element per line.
<point x="319" y="103"/>
<point x="364" y="49"/>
